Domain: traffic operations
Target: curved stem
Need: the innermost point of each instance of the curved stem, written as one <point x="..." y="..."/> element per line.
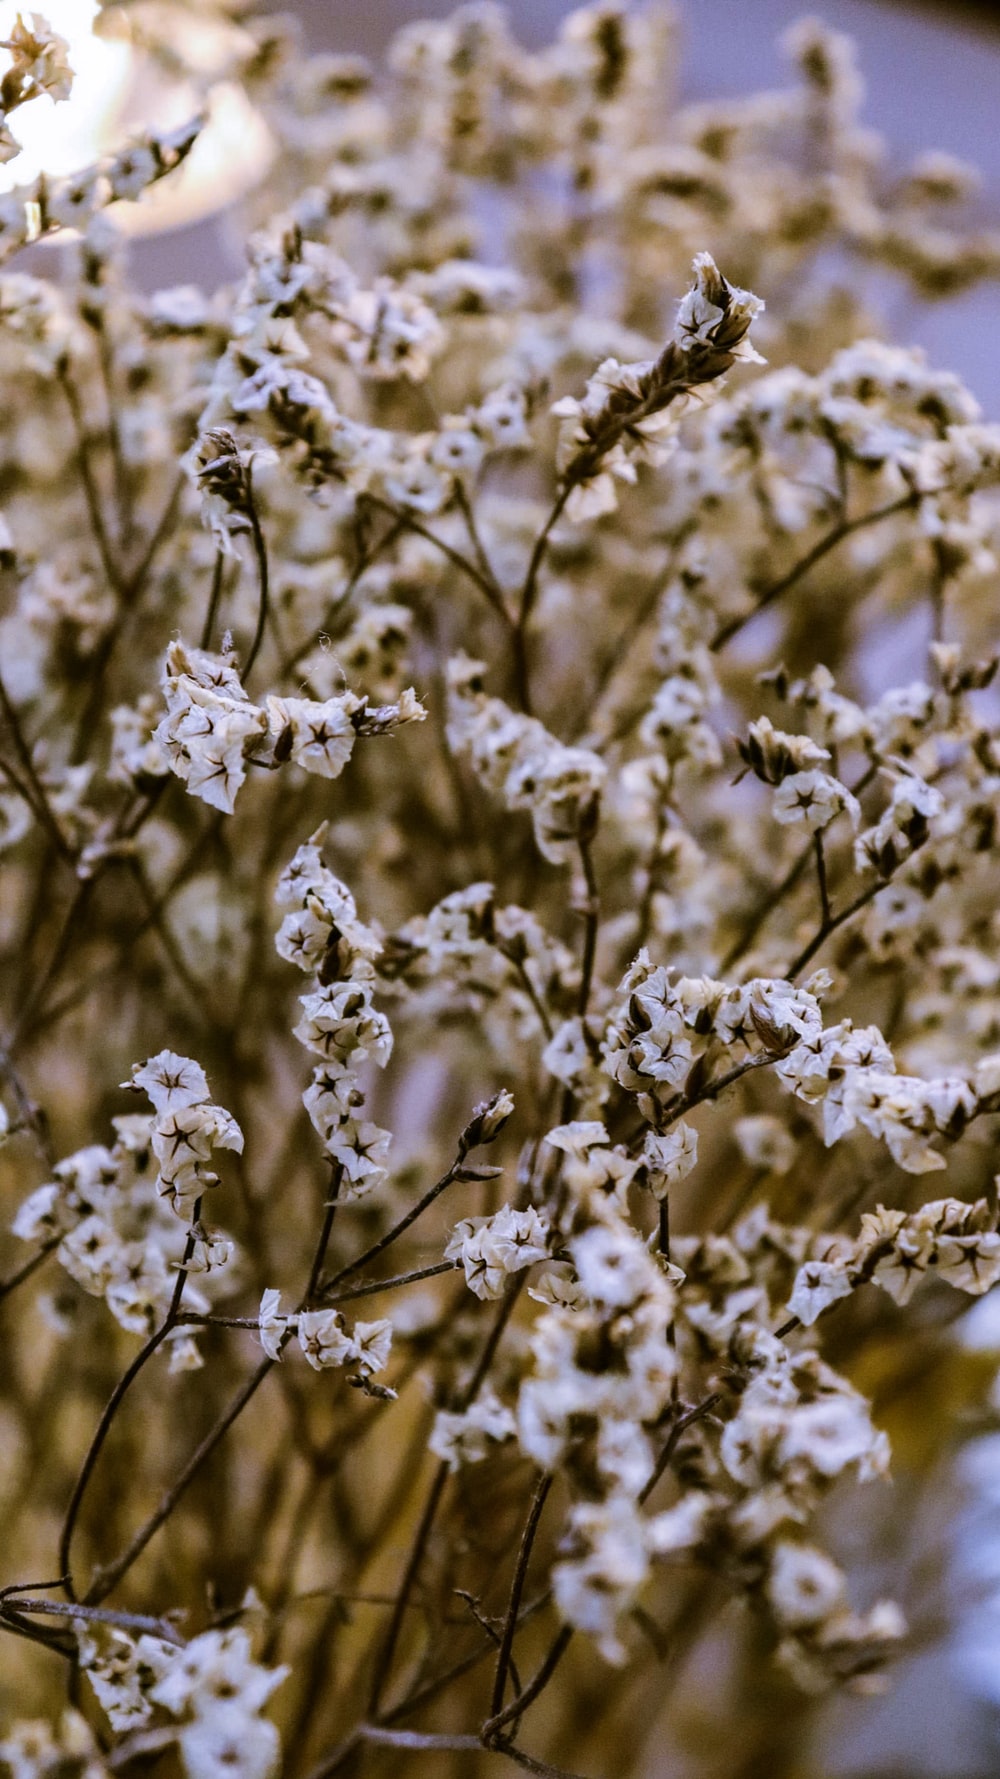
<point x="91" y="492"/>
<point x="391" y="1235"/>
<point x="517" y="1707"/>
<point x="529" y="594"/>
<point x="109" y="1577"/>
<point x="214" y="597"/>
<point x="592" y="913"/>
<point x="384" y="1660"/>
<point x="846" y="529"/>
<point x="30" y="1266"/>
<point x="113" y="1404"/>
<point x="517" y="1589"/>
<point x="263" y="576"/>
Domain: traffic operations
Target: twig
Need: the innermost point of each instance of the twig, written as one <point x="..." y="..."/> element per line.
<point x="393" y="1284"/>
<point x="30" y="1266"/>
<point x="517" y="1707"/>
<point x="109" y="1576"/>
<point x="470" y="569"/>
<point x="91" y="492"/>
<point x="530" y="1762"/>
<point x="371" y="1732"/>
<point x="263" y="575"/>
<point x="430" y="1689"/>
<point x="831" y="924"/>
<point x="39" y="799"/>
<point x="824" y="894"/>
<point x="529" y="594"/>
<point x="482" y="560"/>
<point x="517" y="1589"/>
<point x="123" y="486"/>
<point x="114" y="1402"/>
<point x="454" y="1172"/>
<point x="127" y="1621"/>
<point x="218" y="575"/>
<point x="781" y="889"/>
<point x="680" y="1425"/>
<point x="829" y="542"/>
<point x="629" y="634"/>
<point x="591" y="918"/>
<point x="384" y="1660"/>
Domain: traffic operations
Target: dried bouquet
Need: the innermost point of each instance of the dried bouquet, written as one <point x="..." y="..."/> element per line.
<point x="499" y="826"/>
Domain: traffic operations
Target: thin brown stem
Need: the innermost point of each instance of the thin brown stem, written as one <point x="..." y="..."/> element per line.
<point x="126" y="1621"/>
<point x="214" y="597"/>
<point x="681" y="1423"/>
<point x="387" y="1651"/>
<point x="529" y="595"/>
<point x="520" y="1576"/>
<point x="29" y="1267"/>
<point x="120" y="470"/>
<point x="846" y="528"/>
<point x="482" y="560"/>
<point x="830" y="925"/>
<point x="114" y="1402"/>
<point x="263" y="576"/>
<point x="91" y="492"/>
<point x="392" y="1235"/>
<point x="535" y="1687"/>
<point x="591" y="921"/>
<point x="386" y="1654"/>
<point x="824" y="893"/>
<point x="111" y="1574"/>
<point x="39" y="797"/>
<point x="108" y="1577"/>
<point x="471" y="570"/>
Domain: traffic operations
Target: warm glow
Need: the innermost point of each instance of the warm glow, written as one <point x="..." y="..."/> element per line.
<point x="113" y="89"/>
<point x="65" y="137"/>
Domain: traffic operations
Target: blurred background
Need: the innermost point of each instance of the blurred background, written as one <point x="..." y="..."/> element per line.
<point x="933" y="81"/>
<point x="932" y="74"/>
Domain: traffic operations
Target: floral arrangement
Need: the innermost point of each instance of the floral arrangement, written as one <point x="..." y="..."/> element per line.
<point x="499" y="804"/>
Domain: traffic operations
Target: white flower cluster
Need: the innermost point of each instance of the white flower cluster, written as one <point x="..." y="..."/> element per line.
<point x="186" y="1128"/>
<point x="211" y="726"/>
<point x="491" y="1249"/>
<point x="348" y="461"/>
<point x="212" y="1689"/>
<point x="499" y="960"/>
<point x="32" y="1748"/>
<point x="760" y="1476"/>
<point x="659" y="1026"/>
<point x="603" y="1373"/>
<point x="853" y="1073"/>
<point x="212" y="729"/>
<point x="627" y="408"/>
<point x="107" y="1209"/>
<point x="45" y="205"/>
<point x="519" y="761"/>
<point x="903" y="826"/>
<point x="386" y="333"/>
<point x="322" y="934"/>
<point x="324" y="1337"/>
<point x="469" y="1436"/>
<point x="946" y="1239"/>
<point x="93" y="1206"/>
